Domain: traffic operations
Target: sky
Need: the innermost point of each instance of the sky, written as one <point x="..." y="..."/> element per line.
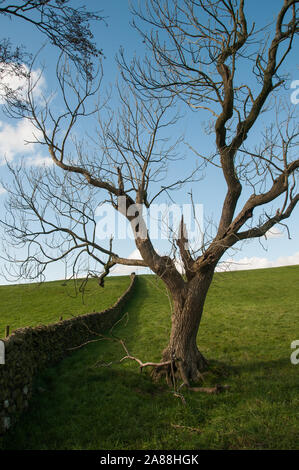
<point x="276" y="250"/>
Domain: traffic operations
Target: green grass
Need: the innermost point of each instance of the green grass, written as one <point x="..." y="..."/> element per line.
<point x="35" y="304"/>
<point x="250" y="319"/>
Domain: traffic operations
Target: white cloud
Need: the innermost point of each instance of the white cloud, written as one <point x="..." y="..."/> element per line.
<point x="257" y="263"/>
<point x="19" y="83"/>
<point x="13" y="139"/>
<point x="39" y="160"/>
<point x="122" y="270"/>
<point x="287" y="260"/>
<point x="2" y="190"/>
<point x="274" y="232"/>
<point x="229" y="264"/>
<point x="13" y="136"/>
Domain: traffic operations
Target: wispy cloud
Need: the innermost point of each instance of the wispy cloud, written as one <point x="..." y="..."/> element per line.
<point x="229" y="264"/>
<point x="274" y="232"/>
<point x="39" y="160"/>
<point x="255" y="262"/>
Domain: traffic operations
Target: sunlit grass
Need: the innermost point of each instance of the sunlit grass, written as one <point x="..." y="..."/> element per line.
<point x="250" y="320"/>
<point x="44" y="303"/>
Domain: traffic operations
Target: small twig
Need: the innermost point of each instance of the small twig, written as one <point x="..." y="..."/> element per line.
<point x="188" y="428"/>
<point x="217" y="389"/>
<point x="87" y="342"/>
<point x="179" y="395"/>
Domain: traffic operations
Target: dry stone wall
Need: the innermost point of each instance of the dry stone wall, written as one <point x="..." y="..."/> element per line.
<point x="28" y="350"/>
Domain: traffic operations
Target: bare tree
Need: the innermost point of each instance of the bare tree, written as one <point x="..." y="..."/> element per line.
<point x="64" y="26"/>
<point x="197" y="48"/>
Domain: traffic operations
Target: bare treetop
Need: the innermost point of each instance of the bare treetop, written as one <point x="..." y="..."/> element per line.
<point x="64" y="26"/>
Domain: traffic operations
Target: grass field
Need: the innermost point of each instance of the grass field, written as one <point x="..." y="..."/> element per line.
<point x="250" y="320"/>
<point x="34" y="304"/>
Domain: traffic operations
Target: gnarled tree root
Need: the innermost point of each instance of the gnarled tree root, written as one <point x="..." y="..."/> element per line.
<point x="177" y="369"/>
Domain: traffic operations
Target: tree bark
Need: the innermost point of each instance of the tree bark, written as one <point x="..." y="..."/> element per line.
<point x="187" y="361"/>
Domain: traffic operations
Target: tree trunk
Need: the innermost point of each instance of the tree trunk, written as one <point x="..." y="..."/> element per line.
<point x="187" y="360"/>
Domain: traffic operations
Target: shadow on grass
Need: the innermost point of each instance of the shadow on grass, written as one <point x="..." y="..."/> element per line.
<point x="79" y="406"/>
<point x="75" y="399"/>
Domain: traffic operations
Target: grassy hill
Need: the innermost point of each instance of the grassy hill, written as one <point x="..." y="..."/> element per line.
<point x="250" y="320"/>
<point x="35" y="304"/>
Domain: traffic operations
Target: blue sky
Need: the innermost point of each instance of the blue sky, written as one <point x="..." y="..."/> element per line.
<point x="276" y="250"/>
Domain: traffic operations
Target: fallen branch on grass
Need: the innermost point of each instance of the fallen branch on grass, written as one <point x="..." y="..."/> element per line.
<point x="141" y="364"/>
<point x="174" y="361"/>
<point x="114" y="338"/>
